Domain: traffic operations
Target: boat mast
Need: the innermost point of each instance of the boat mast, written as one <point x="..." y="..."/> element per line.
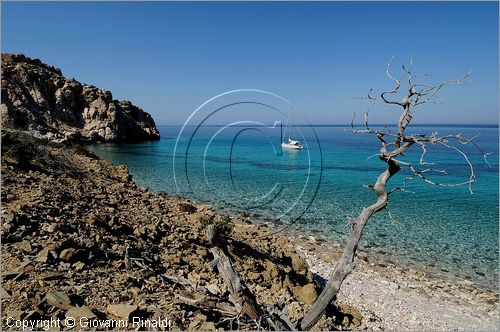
<point x="281" y="131"/>
<point x="288" y="122"/>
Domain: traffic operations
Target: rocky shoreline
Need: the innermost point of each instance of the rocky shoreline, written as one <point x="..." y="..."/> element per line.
<point x="391" y="296"/>
<point x="80" y="239"/>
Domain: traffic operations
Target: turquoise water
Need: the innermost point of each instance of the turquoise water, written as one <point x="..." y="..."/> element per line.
<point x="441" y="228"/>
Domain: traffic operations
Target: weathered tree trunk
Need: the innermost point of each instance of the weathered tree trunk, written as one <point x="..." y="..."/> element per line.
<point x="243" y="299"/>
<point x="346" y="262"/>
<point x="403" y="122"/>
<point x="417" y="94"/>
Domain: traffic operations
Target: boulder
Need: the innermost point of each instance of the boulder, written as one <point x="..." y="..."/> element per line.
<point x="299" y="264"/>
<point x="80" y="312"/>
<point x="306" y="294"/>
<point x="59" y="300"/>
<point x="67" y="254"/>
<point x="122" y="311"/>
<point x="4" y="294"/>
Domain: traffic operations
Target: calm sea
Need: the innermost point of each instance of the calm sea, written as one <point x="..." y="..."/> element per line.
<point x="442" y="228"/>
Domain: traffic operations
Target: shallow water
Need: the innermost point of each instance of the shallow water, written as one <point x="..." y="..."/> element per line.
<point x="320" y="187"/>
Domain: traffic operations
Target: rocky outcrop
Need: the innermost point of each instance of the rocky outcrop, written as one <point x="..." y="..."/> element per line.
<point x="38" y="98"/>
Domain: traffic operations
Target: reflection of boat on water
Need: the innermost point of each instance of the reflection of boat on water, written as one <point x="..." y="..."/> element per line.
<point x="291" y="144"/>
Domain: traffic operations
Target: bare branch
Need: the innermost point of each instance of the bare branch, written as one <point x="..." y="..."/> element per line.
<point x="422" y="175"/>
<point x="424" y="152"/>
<point x="373" y="155"/>
<point x="434" y="139"/>
<point x="388" y="70"/>
<point x="472" y="178"/>
<point x="390" y="215"/>
<point x="396" y="87"/>
<point x="431" y="90"/>
<point x="410" y="75"/>
<point x="404" y="188"/>
<point x="366" y="116"/>
<point x="393" y="153"/>
<point x="367" y="130"/>
<point x="465" y="141"/>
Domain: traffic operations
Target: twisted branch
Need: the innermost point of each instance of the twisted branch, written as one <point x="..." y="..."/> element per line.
<point x="392" y="152"/>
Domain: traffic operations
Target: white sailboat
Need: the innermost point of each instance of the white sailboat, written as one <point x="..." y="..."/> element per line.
<point x="290" y="144"/>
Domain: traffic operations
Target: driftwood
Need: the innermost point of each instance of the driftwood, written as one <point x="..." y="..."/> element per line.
<point x="281" y="311"/>
<point x="392" y="152"/>
<point x="240" y="295"/>
<point x="206" y="302"/>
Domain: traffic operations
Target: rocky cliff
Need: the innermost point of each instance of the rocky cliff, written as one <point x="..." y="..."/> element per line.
<point x="38" y="98"/>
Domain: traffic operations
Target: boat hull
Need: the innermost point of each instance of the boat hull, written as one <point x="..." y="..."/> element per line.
<point x="291" y="146"/>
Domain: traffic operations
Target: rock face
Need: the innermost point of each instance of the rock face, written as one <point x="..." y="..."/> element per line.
<point x="38" y="98"/>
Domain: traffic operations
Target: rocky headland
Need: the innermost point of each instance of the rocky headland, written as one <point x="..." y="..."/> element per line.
<point x="38" y="98"/>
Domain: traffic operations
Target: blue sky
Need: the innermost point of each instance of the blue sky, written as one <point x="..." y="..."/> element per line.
<point x="168" y="58"/>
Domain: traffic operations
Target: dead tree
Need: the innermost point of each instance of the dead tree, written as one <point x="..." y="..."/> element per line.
<point x="242" y="298"/>
<point x="394" y="145"/>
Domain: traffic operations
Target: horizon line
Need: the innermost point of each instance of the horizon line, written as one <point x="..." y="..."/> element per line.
<point x="483" y="125"/>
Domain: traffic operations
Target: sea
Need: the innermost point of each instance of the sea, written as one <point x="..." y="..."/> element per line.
<point x="317" y="191"/>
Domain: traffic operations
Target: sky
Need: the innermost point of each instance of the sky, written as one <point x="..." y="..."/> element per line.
<point x="170" y="57"/>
